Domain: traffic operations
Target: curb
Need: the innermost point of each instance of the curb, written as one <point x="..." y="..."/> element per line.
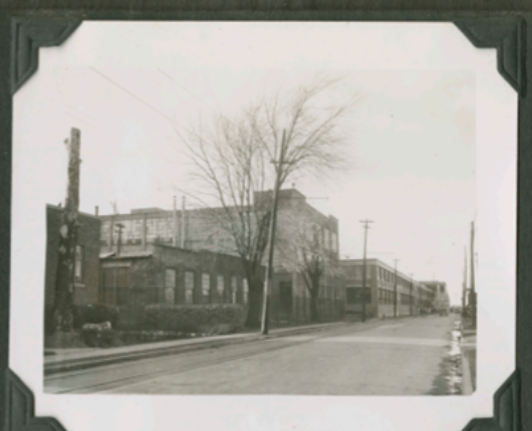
<point x="98" y="361"/>
<point x="467" y="382"/>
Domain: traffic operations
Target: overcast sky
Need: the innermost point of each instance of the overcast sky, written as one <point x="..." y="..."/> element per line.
<point x="412" y="138"/>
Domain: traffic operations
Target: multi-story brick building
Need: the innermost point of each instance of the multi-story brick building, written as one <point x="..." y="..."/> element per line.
<point x="382" y="298"/>
<point x="203" y="230"/>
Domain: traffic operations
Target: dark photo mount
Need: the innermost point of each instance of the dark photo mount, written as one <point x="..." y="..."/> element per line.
<point x="23" y="32"/>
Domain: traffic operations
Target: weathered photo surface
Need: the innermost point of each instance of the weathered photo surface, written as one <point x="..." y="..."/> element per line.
<point x="247" y="209"/>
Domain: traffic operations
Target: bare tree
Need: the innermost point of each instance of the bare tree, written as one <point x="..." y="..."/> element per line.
<point x="231" y="168"/>
<point x="234" y="160"/>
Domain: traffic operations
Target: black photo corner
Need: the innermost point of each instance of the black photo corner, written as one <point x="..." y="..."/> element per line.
<point x="506" y="26"/>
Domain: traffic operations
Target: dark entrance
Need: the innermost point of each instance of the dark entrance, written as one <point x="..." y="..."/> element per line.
<point x="115" y="286"/>
<point x="285" y="301"/>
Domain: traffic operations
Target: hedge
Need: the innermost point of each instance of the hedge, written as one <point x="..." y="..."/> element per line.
<point x="206" y="319"/>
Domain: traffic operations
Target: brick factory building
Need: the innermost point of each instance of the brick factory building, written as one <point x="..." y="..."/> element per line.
<point x="413" y="297"/>
<point x="199" y="230"/>
<point x="163" y="274"/>
<point x="87" y="263"/>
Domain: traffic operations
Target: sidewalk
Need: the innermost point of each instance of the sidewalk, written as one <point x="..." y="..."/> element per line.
<point x="61" y="360"/>
<point x="468" y="346"/>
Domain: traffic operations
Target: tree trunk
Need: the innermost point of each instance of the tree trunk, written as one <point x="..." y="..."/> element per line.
<point x="253" y="319"/>
<point x="314" y="312"/>
<point x="64" y="288"/>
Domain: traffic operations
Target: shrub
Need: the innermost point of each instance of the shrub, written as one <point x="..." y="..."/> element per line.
<point x="95" y="313"/>
<point x="204" y="319"/>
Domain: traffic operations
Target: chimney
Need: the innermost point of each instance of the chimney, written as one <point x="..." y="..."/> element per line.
<point x="144" y="231"/>
<point x="174" y="242"/>
<point x="183" y="222"/>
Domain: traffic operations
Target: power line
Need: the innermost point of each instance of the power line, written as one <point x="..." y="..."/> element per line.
<point x="83" y="121"/>
<point x="179" y="85"/>
<point x="134" y="96"/>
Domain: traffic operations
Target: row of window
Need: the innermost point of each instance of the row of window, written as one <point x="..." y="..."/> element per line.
<point x="359" y="270"/>
<point x="162" y="231"/>
<point x="219" y="289"/>
<point x="353" y="295"/>
<point x="386" y="296"/>
<point x="405" y="298"/>
<point x="116" y="288"/>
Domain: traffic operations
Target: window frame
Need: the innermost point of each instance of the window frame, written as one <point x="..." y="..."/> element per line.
<point x="205" y="276"/>
<point x="190" y="290"/>
<point x="79" y="263"/>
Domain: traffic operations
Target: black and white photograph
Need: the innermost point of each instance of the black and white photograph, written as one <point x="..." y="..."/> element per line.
<point x="262" y="209"/>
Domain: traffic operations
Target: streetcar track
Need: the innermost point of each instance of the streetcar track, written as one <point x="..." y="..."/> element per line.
<point x="168" y="368"/>
<point x="262" y="348"/>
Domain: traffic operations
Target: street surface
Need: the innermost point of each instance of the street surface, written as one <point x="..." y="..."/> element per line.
<point x="406" y="356"/>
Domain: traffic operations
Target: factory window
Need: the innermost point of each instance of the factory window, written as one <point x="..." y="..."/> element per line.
<point x="169" y="285"/>
<point x="205" y="286"/>
<point x="234" y="286"/>
<point x="78" y="266"/>
<point x="189" y="287"/>
<point x="354" y="295"/>
<point x="334" y="242"/>
<point x="115" y="286"/>
<point x="220" y="286"/>
<point x="245" y="290"/>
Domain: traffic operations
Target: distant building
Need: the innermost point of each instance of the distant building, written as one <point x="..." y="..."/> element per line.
<point x="201" y="230"/>
<point x="441" y="300"/>
<point x="380" y="294"/>
<point x="298" y="223"/>
<point x="87" y="263"/>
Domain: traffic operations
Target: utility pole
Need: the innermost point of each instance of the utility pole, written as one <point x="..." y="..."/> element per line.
<point x="464" y="284"/>
<point x="473" y="300"/>
<point x="183" y="223"/>
<point x="271" y="240"/>
<point x="411" y="291"/>
<point x="366" y="227"/>
<point x="174" y="225"/>
<point x="68" y="232"/>
<point x="395" y="288"/>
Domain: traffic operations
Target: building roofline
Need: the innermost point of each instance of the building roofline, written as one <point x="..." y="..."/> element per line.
<point x="141" y="213"/>
<point x="203" y="250"/>
<point x="383" y="264"/>
<point x="57" y="207"/>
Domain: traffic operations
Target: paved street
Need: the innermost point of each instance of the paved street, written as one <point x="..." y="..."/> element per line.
<point x="393" y="357"/>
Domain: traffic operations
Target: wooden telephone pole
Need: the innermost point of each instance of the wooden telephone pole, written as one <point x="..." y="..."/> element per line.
<point x="411" y="299"/>
<point x="395" y="289"/>
<point x="366" y="227"/>
<point x="271" y="240"/>
<point x="473" y="293"/>
<point x="68" y="232"/>
<point x="464" y="284"/>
